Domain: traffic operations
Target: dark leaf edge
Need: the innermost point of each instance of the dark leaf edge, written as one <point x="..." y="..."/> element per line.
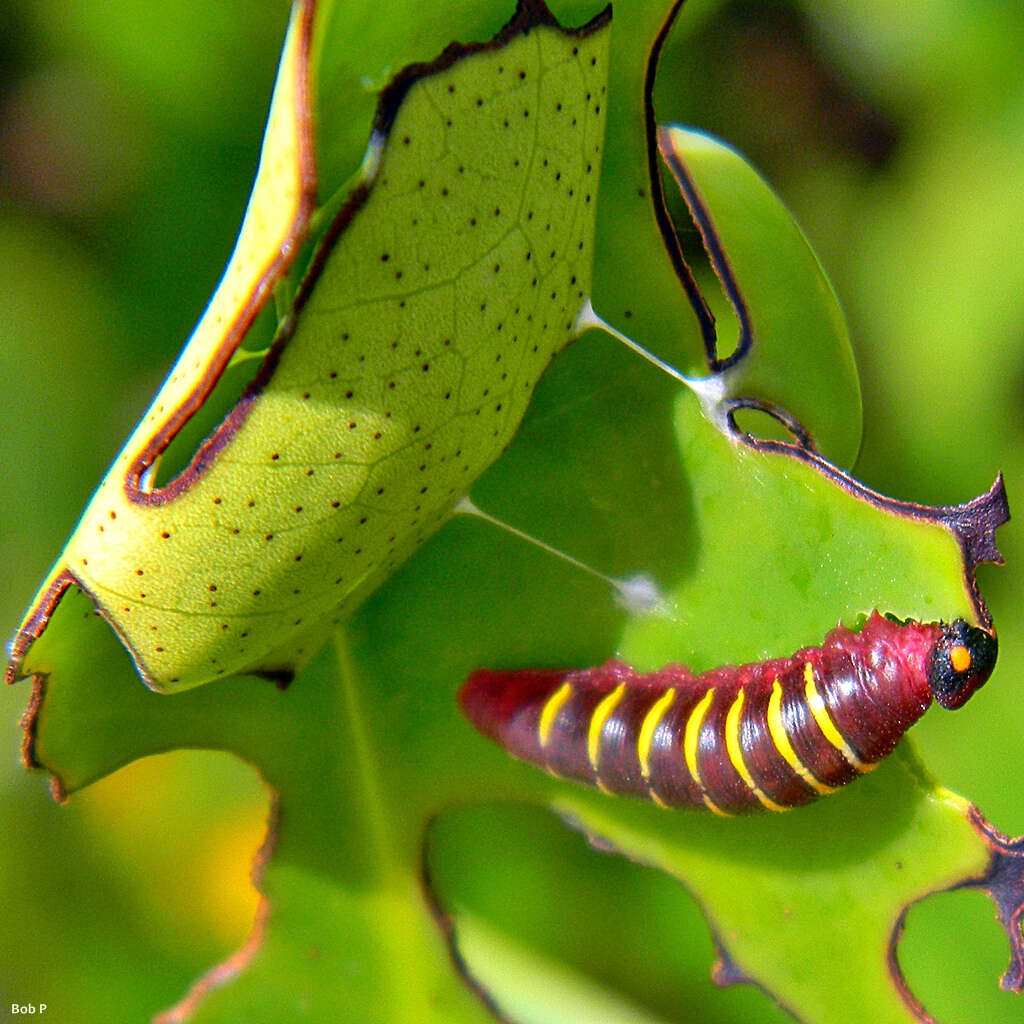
<point x="724" y="971"/>
<point x="973" y="523"/>
<point x="528" y="15"/>
<point x="1003" y="882"/>
<point x="229" y="969"/>
<point x="445" y="922"/>
<point x="278" y="263"/>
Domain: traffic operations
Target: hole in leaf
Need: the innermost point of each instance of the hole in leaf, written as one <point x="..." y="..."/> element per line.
<point x="727" y="326"/>
<point x="761" y="421"/>
<point x="232" y="383"/>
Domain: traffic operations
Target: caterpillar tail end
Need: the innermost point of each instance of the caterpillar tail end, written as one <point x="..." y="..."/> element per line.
<point x="491" y="700"/>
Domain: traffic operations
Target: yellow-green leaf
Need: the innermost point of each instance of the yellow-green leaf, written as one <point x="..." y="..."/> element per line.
<point x="447" y="281"/>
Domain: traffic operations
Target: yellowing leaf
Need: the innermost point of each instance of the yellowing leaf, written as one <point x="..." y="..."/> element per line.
<point x="446" y="283"/>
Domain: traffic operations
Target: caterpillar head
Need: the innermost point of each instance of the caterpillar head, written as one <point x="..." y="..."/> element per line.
<point x="961" y="662"/>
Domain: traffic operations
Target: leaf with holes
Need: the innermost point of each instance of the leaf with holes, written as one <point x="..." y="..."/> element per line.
<point x="450" y="276"/>
<point x="756" y="548"/>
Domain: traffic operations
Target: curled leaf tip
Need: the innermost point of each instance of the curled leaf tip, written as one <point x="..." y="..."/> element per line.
<point x="975" y="523"/>
<point x="408" y="360"/>
<point x="34" y="623"/>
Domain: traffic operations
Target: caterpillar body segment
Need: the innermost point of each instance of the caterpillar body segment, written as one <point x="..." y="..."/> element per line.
<point x="770" y="735"/>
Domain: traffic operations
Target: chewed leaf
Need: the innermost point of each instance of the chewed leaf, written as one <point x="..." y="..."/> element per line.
<point x="446" y="283"/>
<point x="1003" y="881"/>
<point x="790" y="321"/>
<point x="751" y="548"/>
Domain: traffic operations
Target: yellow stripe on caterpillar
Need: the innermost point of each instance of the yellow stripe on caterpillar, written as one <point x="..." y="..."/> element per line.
<point x="648" y="728"/>
<point x="691" y="742"/>
<point x="734" y="747"/>
<point x="777" y="730"/>
<point x="601" y="715"/>
<point x="820" y="712"/>
<point x="549" y="713"/>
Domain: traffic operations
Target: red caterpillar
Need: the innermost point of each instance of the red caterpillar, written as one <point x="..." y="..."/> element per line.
<point x="774" y="734"/>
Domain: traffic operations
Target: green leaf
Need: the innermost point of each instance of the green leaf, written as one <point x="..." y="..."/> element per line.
<point x="453" y="272"/>
<point x="758" y="550"/>
<point x="791" y="325"/>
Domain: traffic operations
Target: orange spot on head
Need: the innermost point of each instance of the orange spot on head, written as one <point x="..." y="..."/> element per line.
<point x="960" y="658"/>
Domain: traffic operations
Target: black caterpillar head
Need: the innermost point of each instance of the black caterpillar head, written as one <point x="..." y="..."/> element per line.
<point x="961" y="662"/>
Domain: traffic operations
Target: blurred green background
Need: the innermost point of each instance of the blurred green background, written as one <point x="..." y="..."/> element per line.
<point x="129" y="133"/>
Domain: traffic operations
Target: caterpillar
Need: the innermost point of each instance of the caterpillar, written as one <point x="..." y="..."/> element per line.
<point x="772" y="735"/>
